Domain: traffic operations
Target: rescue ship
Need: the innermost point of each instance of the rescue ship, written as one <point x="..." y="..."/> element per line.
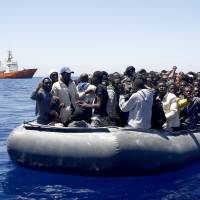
<point x="10" y="69"/>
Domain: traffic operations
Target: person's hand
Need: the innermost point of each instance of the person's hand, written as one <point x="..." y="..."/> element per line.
<point x="121" y="89"/>
<point x="62" y="105"/>
<point x="55" y="98"/>
<point x="174" y="67"/>
<point x="128" y="88"/>
<point x="79" y="102"/>
<point x="158" y="98"/>
<point x="90" y="91"/>
<point x="82" y="104"/>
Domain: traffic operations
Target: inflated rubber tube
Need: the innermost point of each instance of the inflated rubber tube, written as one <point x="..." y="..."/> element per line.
<point x="102" y="151"/>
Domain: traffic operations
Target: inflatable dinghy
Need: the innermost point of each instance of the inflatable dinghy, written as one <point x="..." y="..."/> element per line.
<point x="109" y="151"/>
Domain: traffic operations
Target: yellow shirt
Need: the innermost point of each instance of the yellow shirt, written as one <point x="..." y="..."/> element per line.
<point x="182" y="103"/>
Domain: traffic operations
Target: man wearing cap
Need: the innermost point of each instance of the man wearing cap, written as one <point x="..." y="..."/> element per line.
<point x="65" y="89"/>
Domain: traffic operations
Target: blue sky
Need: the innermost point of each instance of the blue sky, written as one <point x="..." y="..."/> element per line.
<point x="91" y="35"/>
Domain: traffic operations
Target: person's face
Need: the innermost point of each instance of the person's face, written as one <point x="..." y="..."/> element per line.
<point x="182" y="86"/>
<point x="196" y="92"/>
<point x="196" y="84"/>
<point x="131" y="72"/>
<point x="95" y="81"/>
<point x="187" y="93"/>
<point x="66" y="77"/>
<point x="117" y="82"/>
<point x="172" y="88"/>
<point x="105" y="82"/>
<point x="149" y="82"/>
<point x="47" y="85"/>
<point x="162" y="88"/>
<point x="165" y="77"/>
<point x="54" y="77"/>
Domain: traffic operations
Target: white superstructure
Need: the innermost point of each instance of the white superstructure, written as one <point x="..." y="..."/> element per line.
<point x="9" y="65"/>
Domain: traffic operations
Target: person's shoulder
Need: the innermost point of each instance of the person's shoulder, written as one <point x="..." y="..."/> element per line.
<point x="41" y="90"/>
<point x="91" y="87"/>
<point x="196" y="99"/>
<point x="56" y="84"/>
<point x="40" y="93"/>
<point x="171" y="95"/>
<point x="101" y="90"/>
<point x="101" y="87"/>
<point x="135" y="94"/>
<point x="72" y="84"/>
<point x="148" y="90"/>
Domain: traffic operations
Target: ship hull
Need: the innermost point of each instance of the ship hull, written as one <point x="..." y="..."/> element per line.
<point x="26" y="73"/>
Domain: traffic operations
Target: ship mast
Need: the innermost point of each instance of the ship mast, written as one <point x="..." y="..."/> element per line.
<point x="12" y="65"/>
<point x="10" y="57"/>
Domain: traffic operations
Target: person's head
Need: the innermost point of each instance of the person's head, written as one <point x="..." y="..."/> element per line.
<point x="149" y="82"/>
<point x="182" y="85"/>
<point x="54" y="76"/>
<point x="130" y="71"/>
<point x="187" y="92"/>
<point x="46" y="84"/>
<point x="142" y="72"/>
<point x="190" y="79"/>
<point x="164" y="77"/>
<point x="163" y="72"/>
<point x="198" y="79"/>
<point x="84" y="77"/>
<point x="114" y="80"/>
<point x="138" y="84"/>
<point x="66" y="74"/>
<point x="172" y="88"/>
<point x="162" y="87"/>
<point x="105" y="74"/>
<point x="105" y="79"/>
<point x="97" y="78"/>
<point x="155" y="79"/>
<point x="127" y="84"/>
<point x="196" y="83"/>
<point x="117" y="75"/>
<point x="196" y="92"/>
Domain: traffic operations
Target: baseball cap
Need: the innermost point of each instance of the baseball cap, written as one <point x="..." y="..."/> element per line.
<point x="66" y="69"/>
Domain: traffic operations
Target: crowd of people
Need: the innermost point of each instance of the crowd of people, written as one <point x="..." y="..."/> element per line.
<point x="164" y="100"/>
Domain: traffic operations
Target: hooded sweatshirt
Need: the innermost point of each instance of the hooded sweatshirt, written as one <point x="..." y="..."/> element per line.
<point x="139" y="106"/>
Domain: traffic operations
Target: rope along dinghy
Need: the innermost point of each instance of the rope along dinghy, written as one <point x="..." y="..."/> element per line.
<point x="109" y="151"/>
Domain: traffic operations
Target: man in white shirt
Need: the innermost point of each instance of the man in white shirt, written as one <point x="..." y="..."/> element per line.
<point x="170" y="107"/>
<point x="139" y="106"/>
<point x="65" y="89"/>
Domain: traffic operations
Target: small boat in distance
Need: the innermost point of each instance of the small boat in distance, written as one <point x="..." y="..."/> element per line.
<point x="10" y="69"/>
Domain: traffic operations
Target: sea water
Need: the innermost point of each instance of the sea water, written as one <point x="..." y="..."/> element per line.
<point x="19" y="183"/>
